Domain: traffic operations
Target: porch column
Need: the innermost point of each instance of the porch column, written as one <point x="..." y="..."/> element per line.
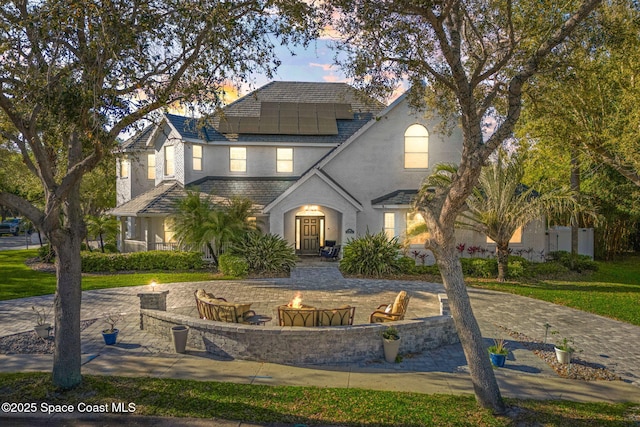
<point x="276" y="224"/>
<point x="122" y="235"/>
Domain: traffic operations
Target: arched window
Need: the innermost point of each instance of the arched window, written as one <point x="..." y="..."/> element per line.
<point x="416" y="147"/>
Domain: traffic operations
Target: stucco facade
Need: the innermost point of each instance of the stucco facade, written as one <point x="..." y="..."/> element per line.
<point x="354" y="171"/>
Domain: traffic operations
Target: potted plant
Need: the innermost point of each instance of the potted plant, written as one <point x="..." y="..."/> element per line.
<point x="391" y="344"/>
<point x="564" y="350"/>
<point x="42" y="327"/>
<point x="110" y="334"/>
<point x="498" y="352"/>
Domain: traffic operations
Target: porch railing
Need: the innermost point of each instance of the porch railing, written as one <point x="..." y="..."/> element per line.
<point x="173" y="246"/>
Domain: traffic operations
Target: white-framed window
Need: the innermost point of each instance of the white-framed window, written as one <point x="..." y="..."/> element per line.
<point x="284" y="159"/>
<point x="389" y="224"/>
<point x="169" y="234"/>
<point x="416" y="228"/>
<point x="516" y="238"/>
<point x="197" y="157"/>
<point x="416" y="147"/>
<point x="169" y="160"/>
<point x="124" y="168"/>
<point x="151" y="166"/>
<point x="238" y="159"/>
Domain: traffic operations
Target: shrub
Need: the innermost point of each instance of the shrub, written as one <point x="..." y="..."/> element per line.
<point x="407" y="265"/>
<point x="548" y="268"/>
<point x="516" y="269"/>
<point x="111" y="248"/>
<point x="479" y="267"/>
<point x="371" y="255"/>
<point x="577" y="263"/>
<point x="136" y="261"/>
<point x="46" y="253"/>
<point x="265" y="253"/>
<point x="427" y="269"/>
<point x="232" y="265"/>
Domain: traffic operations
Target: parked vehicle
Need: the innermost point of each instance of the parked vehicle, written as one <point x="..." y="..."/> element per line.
<point x="11" y="226"/>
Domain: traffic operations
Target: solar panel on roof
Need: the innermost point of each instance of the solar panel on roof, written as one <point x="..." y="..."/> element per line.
<point x="229" y="124"/>
<point x="308" y="125"/>
<point x="249" y="125"/>
<point x="269" y="109"/>
<point x="326" y="110"/>
<point x="327" y="126"/>
<point x="289" y="126"/>
<point x="307" y="110"/>
<point x="269" y="125"/>
<point x="344" y="111"/>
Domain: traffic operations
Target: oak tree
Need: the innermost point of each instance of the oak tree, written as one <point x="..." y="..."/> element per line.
<point x="75" y="74"/>
<point x="471" y="60"/>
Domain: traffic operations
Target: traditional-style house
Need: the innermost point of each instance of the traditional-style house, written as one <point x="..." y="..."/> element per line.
<point x="319" y="160"/>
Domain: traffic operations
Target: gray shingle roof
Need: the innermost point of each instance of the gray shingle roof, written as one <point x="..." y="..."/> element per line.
<point x="398" y="197"/>
<point x="295" y="92"/>
<point x="193" y="129"/>
<point x="261" y="191"/>
<point x="158" y="201"/>
<point x="364" y="110"/>
<point x="139" y="140"/>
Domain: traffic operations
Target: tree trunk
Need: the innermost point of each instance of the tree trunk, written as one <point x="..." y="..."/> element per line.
<point x="503" y="261"/>
<point x="484" y="381"/>
<point x="575" y="186"/>
<point x="66" y="242"/>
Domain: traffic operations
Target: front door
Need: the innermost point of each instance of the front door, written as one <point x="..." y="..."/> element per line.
<point x="309" y="235"/>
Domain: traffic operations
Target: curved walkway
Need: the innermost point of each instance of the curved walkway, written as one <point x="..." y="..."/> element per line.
<point x="605" y="341"/>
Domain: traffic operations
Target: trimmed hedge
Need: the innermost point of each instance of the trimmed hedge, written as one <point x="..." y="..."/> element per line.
<point x="93" y="262"/>
<point x="577" y="263"/>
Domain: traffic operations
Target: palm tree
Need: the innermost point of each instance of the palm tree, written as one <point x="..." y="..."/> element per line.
<point x="100" y="226"/>
<point x="200" y="222"/>
<point x="500" y="204"/>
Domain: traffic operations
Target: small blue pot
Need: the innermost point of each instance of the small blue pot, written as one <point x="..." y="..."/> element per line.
<point x="498" y="359"/>
<point x="110" y="338"/>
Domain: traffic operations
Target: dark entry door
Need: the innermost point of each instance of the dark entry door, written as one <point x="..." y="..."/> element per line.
<point x="310" y="235"/>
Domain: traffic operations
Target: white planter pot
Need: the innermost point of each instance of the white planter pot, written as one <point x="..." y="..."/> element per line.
<point x="391" y="348"/>
<point x="43" y="330"/>
<point x="563" y="356"/>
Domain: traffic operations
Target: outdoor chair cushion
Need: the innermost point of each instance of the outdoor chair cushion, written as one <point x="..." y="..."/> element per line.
<point x="218" y="309"/>
<point x="391" y="312"/>
<point x="399" y="302"/>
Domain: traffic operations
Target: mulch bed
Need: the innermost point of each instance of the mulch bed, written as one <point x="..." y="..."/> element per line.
<point x="578" y="369"/>
<point x="30" y="343"/>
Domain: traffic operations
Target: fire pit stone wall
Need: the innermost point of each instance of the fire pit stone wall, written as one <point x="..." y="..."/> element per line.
<point x="297" y="345"/>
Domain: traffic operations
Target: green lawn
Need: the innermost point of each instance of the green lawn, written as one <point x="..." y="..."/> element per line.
<point x="19" y="281"/>
<point x="613" y="291"/>
<point x="304" y="405"/>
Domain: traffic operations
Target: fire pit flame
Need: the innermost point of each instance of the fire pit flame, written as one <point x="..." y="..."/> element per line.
<point x="296" y="302"/>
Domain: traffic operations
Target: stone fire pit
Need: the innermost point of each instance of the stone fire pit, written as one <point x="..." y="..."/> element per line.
<point x="303" y="345"/>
